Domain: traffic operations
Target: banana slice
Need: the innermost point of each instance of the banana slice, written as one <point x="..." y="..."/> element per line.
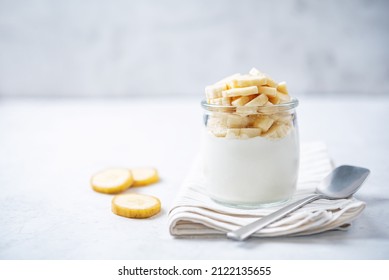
<point x="220" y="101"/>
<point x="269" y="91"/>
<point x="269" y="81"/>
<point x="237" y="121"/>
<point x="275" y="99"/>
<point x="240" y="101"/>
<point x="283" y="97"/>
<point x="215" y="91"/>
<point x="258" y="101"/>
<point x="247" y="81"/>
<point x="240" y="91"/>
<point x="144" y="176"/>
<point x="281" y="87"/>
<point x="112" y="180"/>
<point x="138" y="206"/>
<point x="263" y="122"/>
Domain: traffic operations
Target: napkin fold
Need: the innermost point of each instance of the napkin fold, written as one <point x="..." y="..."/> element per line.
<point x="195" y="214"/>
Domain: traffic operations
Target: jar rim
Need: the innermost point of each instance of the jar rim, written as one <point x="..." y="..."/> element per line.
<point x="293" y="103"/>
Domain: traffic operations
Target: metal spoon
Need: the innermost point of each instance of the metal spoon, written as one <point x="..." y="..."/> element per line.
<point x="342" y="182"/>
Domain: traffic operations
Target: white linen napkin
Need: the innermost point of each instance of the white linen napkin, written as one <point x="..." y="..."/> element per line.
<point x="194" y="213"/>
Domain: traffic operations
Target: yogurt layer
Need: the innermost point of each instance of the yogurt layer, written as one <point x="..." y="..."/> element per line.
<point x="251" y="171"/>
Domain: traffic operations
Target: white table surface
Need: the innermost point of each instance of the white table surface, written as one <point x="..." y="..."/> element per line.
<point x="50" y="148"/>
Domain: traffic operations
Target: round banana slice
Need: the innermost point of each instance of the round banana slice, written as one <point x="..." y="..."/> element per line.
<point x="112" y="180"/>
<point x="144" y="176"/>
<point x="138" y="206"/>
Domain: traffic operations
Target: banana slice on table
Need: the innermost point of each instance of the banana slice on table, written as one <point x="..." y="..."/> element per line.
<point x="112" y="180"/>
<point x="144" y="176"/>
<point x="138" y="206"/>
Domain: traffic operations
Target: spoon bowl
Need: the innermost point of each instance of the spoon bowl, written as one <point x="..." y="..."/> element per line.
<point x="342" y="182"/>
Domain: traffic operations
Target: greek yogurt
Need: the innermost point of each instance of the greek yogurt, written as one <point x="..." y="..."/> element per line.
<point x="251" y="172"/>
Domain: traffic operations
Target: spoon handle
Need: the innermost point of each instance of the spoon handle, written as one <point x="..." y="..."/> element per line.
<point x="247" y="230"/>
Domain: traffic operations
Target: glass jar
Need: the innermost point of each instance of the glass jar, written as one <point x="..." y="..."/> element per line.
<point x="250" y="154"/>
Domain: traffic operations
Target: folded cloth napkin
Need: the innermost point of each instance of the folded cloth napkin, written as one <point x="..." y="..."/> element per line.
<point x="194" y="213"/>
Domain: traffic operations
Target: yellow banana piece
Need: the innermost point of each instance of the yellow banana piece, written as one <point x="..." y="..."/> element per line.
<point x="258" y="101"/>
<point x="269" y="91"/>
<point x="240" y="101"/>
<point x="144" y="176"/>
<point x="283" y="97"/>
<point x="263" y="122"/>
<point x="247" y="81"/>
<point x="244" y="91"/>
<point x="138" y="206"/>
<point x="215" y="91"/>
<point x="220" y="101"/>
<point x="112" y="180"/>
<point x="281" y="87"/>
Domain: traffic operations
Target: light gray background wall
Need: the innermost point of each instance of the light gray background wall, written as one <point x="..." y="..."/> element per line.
<point x="131" y="48"/>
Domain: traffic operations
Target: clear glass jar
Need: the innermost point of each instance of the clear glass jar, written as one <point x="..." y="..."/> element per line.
<point x="250" y="154"/>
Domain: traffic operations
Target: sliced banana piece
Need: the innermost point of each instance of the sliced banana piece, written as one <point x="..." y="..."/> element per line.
<point x="240" y="101"/>
<point x="269" y="91"/>
<point x="240" y="91"/>
<point x="144" y="176"/>
<point x="282" y="87"/>
<point x="112" y="180"/>
<point x="263" y="122"/>
<point x="247" y="81"/>
<point x="283" y="97"/>
<point x="258" y="101"/>
<point x="220" y="101"/>
<point x="215" y="91"/>
<point x="138" y="206"/>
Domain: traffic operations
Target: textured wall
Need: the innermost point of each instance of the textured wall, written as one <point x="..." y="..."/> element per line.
<point x="123" y="48"/>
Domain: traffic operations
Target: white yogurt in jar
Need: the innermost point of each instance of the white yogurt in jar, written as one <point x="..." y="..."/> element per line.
<point x="251" y="172"/>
